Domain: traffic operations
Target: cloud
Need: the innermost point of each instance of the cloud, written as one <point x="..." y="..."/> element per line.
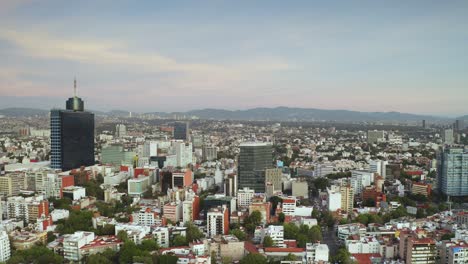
<point x="116" y="54"/>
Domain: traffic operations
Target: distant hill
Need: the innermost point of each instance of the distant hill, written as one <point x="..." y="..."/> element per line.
<point x="20" y="112"/>
<point x="306" y="114"/>
<point x="257" y="114"/>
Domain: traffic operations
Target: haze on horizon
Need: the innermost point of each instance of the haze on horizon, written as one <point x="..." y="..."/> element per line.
<point x="406" y="56"/>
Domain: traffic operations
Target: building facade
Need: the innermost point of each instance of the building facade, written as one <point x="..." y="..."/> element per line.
<point x="254" y="159"/>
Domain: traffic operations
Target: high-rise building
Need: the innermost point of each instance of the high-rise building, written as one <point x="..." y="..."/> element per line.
<point x="72" y="136"/>
<point x="218" y="221"/>
<point x="181" y="131"/>
<point x="453" y="171"/>
<point x="375" y="136"/>
<point x="458" y="125"/>
<point x="254" y="159"/>
<point x="230" y="185"/>
<point x="210" y="153"/>
<point x="120" y="130"/>
<point x="424" y="123"/>
<point x="5" y="251"/>
<point x="274" y="176"/>
<point x="447" y="136"/>
<point x="347" y="198"/>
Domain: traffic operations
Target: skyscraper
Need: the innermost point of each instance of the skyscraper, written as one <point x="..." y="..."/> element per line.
<point x="447" y="136"/>
<point x="181" y="130"/>
<point x="453" y="171"/>
<point x="72" y="135"/>
<point x="254" y="158"/>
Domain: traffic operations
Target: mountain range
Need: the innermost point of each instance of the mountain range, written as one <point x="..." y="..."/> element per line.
<point x="271" y="114"/>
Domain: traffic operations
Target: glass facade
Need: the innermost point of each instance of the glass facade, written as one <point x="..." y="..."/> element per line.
<point x="453" y="172"/>
<point x="254" y="158"/>
<point x="181" y="131"/>
<point x="72" y="139"/>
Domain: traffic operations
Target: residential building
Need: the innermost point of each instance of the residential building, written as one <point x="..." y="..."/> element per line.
<point x="218" y="221"/>
<point x="333" y="198"/>
<point x="448" y="136"/>
<point x="5" y="251"/>
<point x="22" y="240"/>
<point x="361" y="179"/>
<point x="72" y="136"/>
<point x="230" y="185"/>
<point x="12" y="183"/>
<point x="289" y="205"/>
<point x="254" y="159"/>
<point x="317" y="253"/>
<point x="347" y="198"/>
<point x="74" y="192"/>
<point x="73" y="242"/>
<point x="300" y="188"/>
<point x="172" y="211"/>
<point x="120" y="130"/>
<point x="244" y="197"/>
<point x="162" y="236"/>
<point x="422" y="250"/>
<point x="210" y="153"/>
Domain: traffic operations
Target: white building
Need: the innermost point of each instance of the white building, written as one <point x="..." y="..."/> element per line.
<point x="317" y="253"/>
<point x="244" y="197"/>
<point x="289" y="205"/>
<point x="162" y="236"/>
<point x="303" y="211"/>
<point x="210" y="153"/>
<point x="150" y="149"/>
<point x="74" y="192"/>
<point x="361" y="179"/>
<point x="365" y="245"/>
<point x="73" y="242"/>
<point x="378" y="166"/>
<point x="147" y="216"/>
<point x="136" y="187"/>
<point x="5" y="251"/>
<point x="120" y="130"/>
<point x="276" y="233"/>
<point x="334" y="198"/>
<point x="58" y="214"/>
<point x="117" y="178"/>
<point x="135" y="232"/>
<point x="217" y="222"/>
<point x="300" y="189"/>
<point x="183" y="152"/>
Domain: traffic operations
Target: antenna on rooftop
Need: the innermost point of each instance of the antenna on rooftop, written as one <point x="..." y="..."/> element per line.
<point x="74" y="88"/>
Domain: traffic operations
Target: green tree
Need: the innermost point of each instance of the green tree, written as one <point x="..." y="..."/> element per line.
<point x="193" y="232"/>
<point x="106" y="230"/>
<point x="281" y="217"/>
<point x="122" y="235"/>
<point x="267" y="241"/>
<point x="239" y="234"/>
<point x="98" y="259"/>
<point x="315" y="234"/>
<point x="166" y="259"/>
<point x="179" y="241"/>
<point x="149" y="245"/>
<point x="36" y="254"/>
<point x="77" y="221"/>
<point x="51" y="236"/>
<point x="290" y="231"/>
<point x="213" y="257"/>
<point x="290" y="257"/>
<point x="342" y="256"/>
<point x="253" y="258"/>
<point x="447" y="236"/>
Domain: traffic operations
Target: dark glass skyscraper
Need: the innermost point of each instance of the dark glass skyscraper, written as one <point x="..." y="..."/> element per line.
<point x="254" y="158"/>
<point x="71" y="136"/>
<point x="453" y="171"/>
<point x="181" y="130"/>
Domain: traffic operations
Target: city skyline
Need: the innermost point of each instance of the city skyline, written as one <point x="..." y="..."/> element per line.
<point x="179" y="56"/>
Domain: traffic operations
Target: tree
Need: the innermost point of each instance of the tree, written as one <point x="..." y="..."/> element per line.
<point x="302" y="240"/>
<point x="167" y="259"/>
<point x="447" y="236"/>
<point x="226" y="260"/>
<point x="122" y="236"/>
<point x="239" y="234"/>
<point x="179" y="241"/>
<point x="290" y="231"/>
<point x="149" y="245"/>
<point x="98" y="259"/>
<point x="290" y="257"/>
<point x="193" y="232"/>
<point x="281" y="217"/>
<point x="255" y="217"/>
<point x="267" y="241"/>
<point x="253" y="258"/>
<point x="77" y="221"/>
<point x="106" y="230"/>
<point x="51" y="236"/>
<point x="36" y="254"/>
<point x="213" y="257"/>
<point x="315" y="234"/>
<point x="342" y="256"/>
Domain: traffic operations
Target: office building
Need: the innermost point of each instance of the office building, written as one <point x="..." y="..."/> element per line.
<point x="448" y="136"/>
<point x="274" y="176"/>
<point x="138" y="186"/>
<point x="5" y="251"/>
<point x="181" y="131"/>
<point x="209" y="153"/>
<point x="458" y="125"/>
<point x="375" y="136"/>
<point x="254" y="159"/>
<point x="378" y="166"/>
<point x="115" y="155"/>
<point x="120" y="130"/>
<point x="72" y="136"/>
<point x="218" y="221"/>
<point x="361" y="179"/>
<point x="424" y="123"/>
<point x="453" y="171"/>
<point x="230" y="185"/>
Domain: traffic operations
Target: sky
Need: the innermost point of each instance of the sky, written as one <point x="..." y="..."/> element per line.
<point x="144" y="56"/>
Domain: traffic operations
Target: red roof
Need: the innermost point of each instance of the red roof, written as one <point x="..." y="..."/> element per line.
<point x="291" y="243"/>
<point x="414" y="172"/>
<point x="251" y="248"/>
<point x="365" y="258"/>
<point x="276" y="249"/>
